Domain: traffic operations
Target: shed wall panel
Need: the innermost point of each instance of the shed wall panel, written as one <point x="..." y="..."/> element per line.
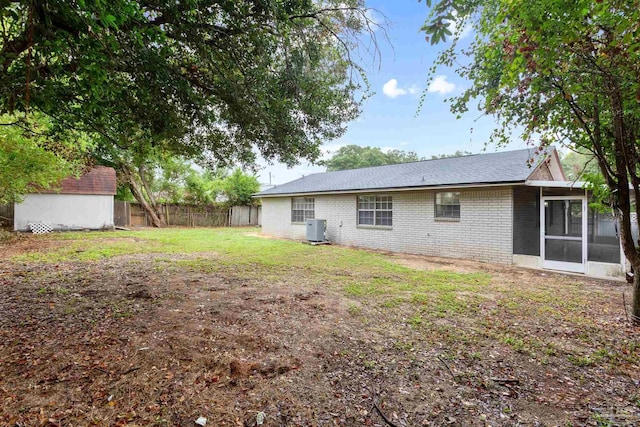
<point x="65" y="211"/>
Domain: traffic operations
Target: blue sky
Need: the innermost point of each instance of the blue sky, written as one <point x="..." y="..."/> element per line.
<point x="388" y="118"/>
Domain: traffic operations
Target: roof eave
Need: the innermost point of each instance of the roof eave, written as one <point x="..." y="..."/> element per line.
<point x="394" y="189"/>
<point x="557" y="184"/>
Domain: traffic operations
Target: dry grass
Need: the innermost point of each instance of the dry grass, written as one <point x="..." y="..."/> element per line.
<point x="162" y="326"/>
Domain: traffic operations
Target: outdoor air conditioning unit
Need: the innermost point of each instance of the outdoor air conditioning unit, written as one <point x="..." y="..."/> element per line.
<point x="316" y="229"/>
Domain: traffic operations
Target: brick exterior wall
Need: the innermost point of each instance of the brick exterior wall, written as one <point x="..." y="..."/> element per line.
<point x="484" y="231"/>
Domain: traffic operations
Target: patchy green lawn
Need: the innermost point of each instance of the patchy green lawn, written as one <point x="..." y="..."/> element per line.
<point x="160" y="327"/>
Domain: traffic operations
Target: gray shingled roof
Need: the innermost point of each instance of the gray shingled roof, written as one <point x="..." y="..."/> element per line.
<point x="493" y="168"/>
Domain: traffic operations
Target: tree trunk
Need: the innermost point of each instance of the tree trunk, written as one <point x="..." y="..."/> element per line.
<point x="156" y="220"/>
<point x="635" y="304"/>
<point x="149" y="193"/>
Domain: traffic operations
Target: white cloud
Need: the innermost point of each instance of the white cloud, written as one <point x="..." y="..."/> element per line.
<point x="392" y="90"/>
<point x="403" y="143"/>
<point x="466" y="31"/>
<point x="441" y="85"/>
<point x="453" y="27"/>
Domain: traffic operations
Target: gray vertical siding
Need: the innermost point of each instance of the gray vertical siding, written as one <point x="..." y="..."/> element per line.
<point x="526" y="220"/>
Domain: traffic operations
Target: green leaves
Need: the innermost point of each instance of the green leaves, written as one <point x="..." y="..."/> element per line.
<point x="30" y="160"/>
<point x="239" y="187"/>
<point x="438" y="31"/>
<point x="214" y="78"/>
<point x="355" y="156"/>
<point x="551" y="72"/>
<point x="109" y="21"/>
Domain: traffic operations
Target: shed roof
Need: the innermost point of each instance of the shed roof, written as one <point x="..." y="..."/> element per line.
<point x="100" y="180"/>
<point x="473" y="170"/>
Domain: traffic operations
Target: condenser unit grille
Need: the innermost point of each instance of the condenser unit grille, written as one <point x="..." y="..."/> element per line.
<point x="316" y="230"/>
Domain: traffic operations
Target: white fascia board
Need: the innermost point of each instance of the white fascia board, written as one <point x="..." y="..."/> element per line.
<point x="393" y="190"/>
<point x="556" y="184"/>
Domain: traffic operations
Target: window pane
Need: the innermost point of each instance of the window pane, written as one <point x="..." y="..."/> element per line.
<point x="365" y="217"/>
<point x="366" y="202"/>
<point x="563" y="250"/>
<point x="302" y="208"/>
<point x="384" y="218"/>
<point x="448" y="205"/>
<point x="603" y="242"/>
<point x="375" y="210"/>
<point x="365" y="199"/>
<point x="448" y="198"/>
<point x="297" y="216"/>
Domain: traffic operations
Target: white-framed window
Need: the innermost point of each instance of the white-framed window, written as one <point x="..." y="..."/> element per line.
<point x="375" y="210"/>
<point x="302" y="209"/>
<point x="448" y="204"/>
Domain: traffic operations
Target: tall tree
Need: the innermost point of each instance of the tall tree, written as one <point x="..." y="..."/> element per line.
<point x="238" y="188"/>
<point x="31" y="160"/>
<point x="216" y="79"/>
<point x="355" y="156"/>
<point x="458" y="153"/>
<point x="558" y="71"/>
<point x="579" y="166"/>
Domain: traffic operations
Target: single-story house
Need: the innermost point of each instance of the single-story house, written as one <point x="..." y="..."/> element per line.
<point x="75" y="204"/>
<point x="513" y="207"/>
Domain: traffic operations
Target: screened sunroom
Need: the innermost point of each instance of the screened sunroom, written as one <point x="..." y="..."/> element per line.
<point x="554" y="228"/>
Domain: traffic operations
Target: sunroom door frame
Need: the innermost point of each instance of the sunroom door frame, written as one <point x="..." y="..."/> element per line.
<point x="563" y="265"/>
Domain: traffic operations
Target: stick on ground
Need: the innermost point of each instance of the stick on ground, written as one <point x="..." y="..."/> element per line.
<point x="384" y="417"/>
<point x="447" y="366"/>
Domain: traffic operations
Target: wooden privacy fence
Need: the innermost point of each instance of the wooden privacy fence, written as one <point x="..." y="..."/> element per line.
<point x="127" y="214"/>
<point x="244" y="215"/>
<point x="6" y="215"/>
<point x="121" y="213"/>
<point x="131" y="214"/>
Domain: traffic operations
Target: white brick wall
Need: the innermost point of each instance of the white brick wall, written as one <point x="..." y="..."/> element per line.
<point x="484" y="231"/>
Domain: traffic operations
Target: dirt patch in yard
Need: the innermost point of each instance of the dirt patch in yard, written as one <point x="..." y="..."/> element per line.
<point x="159" y="339"/>
<point x="27" y="243"/>
<point x="20" y="243"/>
<point x="419" y="262"/>
<point x="436" y="263"/>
